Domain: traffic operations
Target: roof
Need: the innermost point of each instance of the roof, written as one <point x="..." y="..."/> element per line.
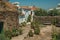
<point x="25" y="7"/>
<point x="28" y="7"/>
<point x="8" y="7"/>
<point x="33" y="8"/>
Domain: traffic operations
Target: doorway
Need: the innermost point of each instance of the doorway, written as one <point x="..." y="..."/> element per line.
<point x="1" y="27"/>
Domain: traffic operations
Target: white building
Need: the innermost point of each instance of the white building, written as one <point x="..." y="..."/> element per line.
<point x="25" y="11"/>
<point x="58" y="7"/>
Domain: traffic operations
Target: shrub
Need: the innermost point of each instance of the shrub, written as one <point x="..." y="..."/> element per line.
<point x="2" y="37"/>
<point x="54" y="35"/>
<point x="15" y="32"/>
<point x="20" y="31"/>
<point x="36" y="31"/>
<point x="36" y="28"/>
<point x="58" y="36"/>
<point x="30" y="33"/>
<point x="29" y="18"/>
<point x="23" y="24"/>
<point x="55" y="21"/>
<point x="32" y="25"/>
<point x="8" y="33"/>
<point x="54" y="38"/>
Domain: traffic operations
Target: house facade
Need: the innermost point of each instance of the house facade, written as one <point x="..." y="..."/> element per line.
<point x="8" y="16"/>
<point x="25" y="12"/>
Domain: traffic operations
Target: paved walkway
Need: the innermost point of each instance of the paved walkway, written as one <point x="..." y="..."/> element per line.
<point x="25" y="32"/>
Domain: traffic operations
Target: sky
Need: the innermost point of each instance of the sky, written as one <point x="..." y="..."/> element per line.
<point x="45" y="4"/>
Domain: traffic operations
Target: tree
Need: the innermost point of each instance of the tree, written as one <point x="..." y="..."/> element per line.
<point x="58" y="12"/>
<point x="40" y="12"/>
<point x="54" y="12"/>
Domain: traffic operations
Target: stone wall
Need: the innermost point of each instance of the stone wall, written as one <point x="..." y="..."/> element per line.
<point x="43" y="19"/>
<point x="10" y="19"/>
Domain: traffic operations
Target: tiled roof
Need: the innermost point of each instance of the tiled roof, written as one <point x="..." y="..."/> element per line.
<point x="28" y="7"/>
<point x="33" y="8"/>
<point x="24" y="7"/>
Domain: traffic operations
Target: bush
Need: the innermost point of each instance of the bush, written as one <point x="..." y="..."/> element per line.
<point x="14" y="32"/>
<point x="34" y="25"/>
<point x="36" y="28"/>
<point x="8" y="33"/>
<point x="30" y="33"/>
<point x="54" y="35"/>
<point x="2" y="37"/>
<point x="29" y="18"/>
<point x="58" y="36"/>
<point x="20" y="31"/>
<point x="23" y="24"/>
<point x="36" y="31"/>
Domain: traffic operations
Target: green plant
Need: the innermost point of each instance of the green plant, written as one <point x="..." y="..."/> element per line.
<point x="54" y="36"/>
<point x="8" y="33"/>
<point x="33" y="25"/>
<point x="58" y="36"/>
<point x="40" y="12"/>
<point x="23" y="24"/>
<point x="30" y="33"/>
<point x="36" y="28"/>
<point x="55" y="21"/>
<point x="36" y="31"/>
<point x="29" y="18"/>
<point x="20" y="31"/>
<point x="2" y="37"/>
<point x="15" y="32"/>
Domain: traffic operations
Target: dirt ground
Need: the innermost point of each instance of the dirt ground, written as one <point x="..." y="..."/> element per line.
<point x="25" y="32"/>
<point x="45" y="34"/>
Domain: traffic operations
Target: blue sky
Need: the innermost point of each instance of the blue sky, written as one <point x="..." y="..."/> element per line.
<point x="45" y="4"/>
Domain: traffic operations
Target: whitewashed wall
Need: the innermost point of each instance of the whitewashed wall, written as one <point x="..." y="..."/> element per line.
<point x="25" y="17"/>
